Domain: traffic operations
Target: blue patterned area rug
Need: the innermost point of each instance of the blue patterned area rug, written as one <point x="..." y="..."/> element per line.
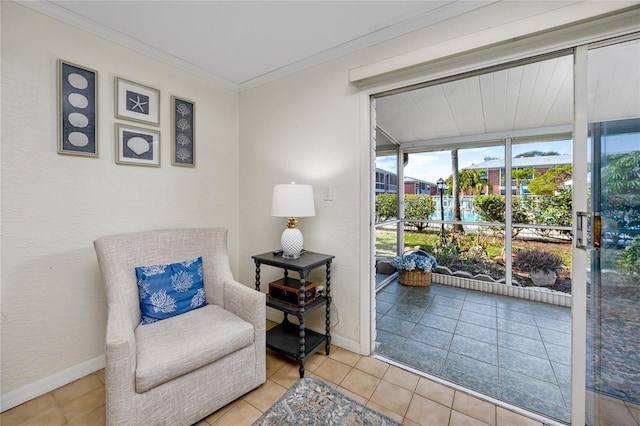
<point x="311" y="401"/>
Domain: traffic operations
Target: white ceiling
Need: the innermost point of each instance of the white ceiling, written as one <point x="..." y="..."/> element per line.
<point x="241" y="44"/>
<point x="528" y="100"/>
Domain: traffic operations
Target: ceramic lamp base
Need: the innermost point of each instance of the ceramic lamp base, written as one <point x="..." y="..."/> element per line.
<point x="292" y="243"/>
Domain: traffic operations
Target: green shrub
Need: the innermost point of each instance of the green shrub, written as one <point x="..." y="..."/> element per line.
<point x="418" y="207"/>
<point x="491" y="208"/>
<point x="386" y="207"/>
<point x="629" y="262"/>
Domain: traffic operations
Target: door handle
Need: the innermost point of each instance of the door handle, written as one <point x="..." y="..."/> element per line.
<point x="597" y="230"/>
<point x="582" y="225"/>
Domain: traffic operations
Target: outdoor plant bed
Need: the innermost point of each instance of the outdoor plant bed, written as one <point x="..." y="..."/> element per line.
<point x="490" y="268"/>
<point x="486" y="284"/>
<point x="562" y="283"/>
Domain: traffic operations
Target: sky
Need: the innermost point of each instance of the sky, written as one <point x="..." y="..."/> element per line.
<point x="430" y="166"/>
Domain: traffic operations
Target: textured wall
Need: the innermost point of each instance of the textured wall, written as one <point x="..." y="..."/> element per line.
<point x="53" y="309"/>
<point x="305" y="128"/>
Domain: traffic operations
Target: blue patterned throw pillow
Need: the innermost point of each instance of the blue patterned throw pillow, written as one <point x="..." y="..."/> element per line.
<point x="170" y="290"/>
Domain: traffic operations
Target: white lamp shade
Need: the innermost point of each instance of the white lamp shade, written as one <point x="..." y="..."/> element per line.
<point x="292" y="200"/>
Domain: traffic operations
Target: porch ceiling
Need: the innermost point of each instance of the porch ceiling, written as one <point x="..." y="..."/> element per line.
<point x="531" y="96"/>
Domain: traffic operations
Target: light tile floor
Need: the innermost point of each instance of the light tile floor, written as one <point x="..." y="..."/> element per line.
<point x="402" y="395"/>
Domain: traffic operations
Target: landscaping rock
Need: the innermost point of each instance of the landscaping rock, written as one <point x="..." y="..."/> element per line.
<point x="462" y="274"/>
<point x="504" y="281"/>
<point x="385" y="268"/>
<point x="483" y="277"/>
<point x="442" y="270"/>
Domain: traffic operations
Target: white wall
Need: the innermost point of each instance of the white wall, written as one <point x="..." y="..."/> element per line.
<point x="305" y="128"/>
<point x="53" y="206"/>
<point x="311" y="127"/>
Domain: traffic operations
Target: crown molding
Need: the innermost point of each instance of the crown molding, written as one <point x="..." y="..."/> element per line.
<point x="58" y="12"/>
<point x="447" y="11"/>
<point x="61" y="14"/>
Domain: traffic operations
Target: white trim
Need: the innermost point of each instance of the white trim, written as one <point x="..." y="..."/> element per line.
<point x="571" y="14"/>
<point x="568" y="37"/>
<point x="367" y="210"/>
<point x="579" y="257"/>
<point x="47" y="384"/>
<point x="508" y="220"/>
<point x="345" y="343"/>
<point x="449" y="10"/>
<point x="61" y="14"/>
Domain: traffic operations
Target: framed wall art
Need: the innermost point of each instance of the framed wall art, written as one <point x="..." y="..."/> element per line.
<point x="137" y="146"/>
<point x="77" y="110"/>
<point x="137" y="102"/>
<point x="183" y="123"/>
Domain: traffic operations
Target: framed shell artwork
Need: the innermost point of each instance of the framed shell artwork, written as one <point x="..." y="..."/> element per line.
<point x="137" y="146"/>
<point x="183" y="123"/>
<point x="77" y="109"/>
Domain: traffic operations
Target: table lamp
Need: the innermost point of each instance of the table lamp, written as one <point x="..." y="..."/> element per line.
<point x="292" y="201"/>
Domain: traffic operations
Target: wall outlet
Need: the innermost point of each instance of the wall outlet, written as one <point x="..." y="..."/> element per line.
<point x="328" y="193"/>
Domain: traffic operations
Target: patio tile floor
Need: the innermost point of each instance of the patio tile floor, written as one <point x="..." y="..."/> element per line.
<point x="514" y="350"/>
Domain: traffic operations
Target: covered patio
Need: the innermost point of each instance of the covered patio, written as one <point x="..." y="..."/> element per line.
<point x="515" y="350"/>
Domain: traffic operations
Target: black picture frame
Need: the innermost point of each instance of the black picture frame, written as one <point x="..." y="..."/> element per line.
<point x="183" y="125"/>
<point x="77" y="109"/>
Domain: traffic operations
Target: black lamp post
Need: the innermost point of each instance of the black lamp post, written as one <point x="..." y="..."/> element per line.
<point x="441" y="185"/>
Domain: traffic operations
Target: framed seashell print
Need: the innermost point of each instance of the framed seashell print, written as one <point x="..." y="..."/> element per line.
<point x="137" y="146"/>
<point x="137" y="102"/>
<point x="183" y="140"/>
<point x="77" y="109"/>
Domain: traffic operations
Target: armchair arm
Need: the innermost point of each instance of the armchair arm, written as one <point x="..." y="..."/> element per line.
<point x="121" y="366"/>
<point x="250" y="305"/>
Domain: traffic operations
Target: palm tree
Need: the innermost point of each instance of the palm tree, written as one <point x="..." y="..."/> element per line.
<point x="471" y="180"/>
<point x="456" y="192"/>
<point x="519" y="175"/>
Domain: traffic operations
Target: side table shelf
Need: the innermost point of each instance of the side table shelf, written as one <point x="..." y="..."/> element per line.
<point x="294" y="340"/>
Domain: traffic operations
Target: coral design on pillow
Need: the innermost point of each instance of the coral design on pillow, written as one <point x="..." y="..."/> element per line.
<point x="182" y="281"/>
<point x="170" y="289"/>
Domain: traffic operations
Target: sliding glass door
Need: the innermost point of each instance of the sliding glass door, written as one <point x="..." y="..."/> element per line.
<point x="613" y="298"/>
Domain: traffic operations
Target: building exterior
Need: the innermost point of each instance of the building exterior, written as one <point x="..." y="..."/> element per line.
<point x="417" y="186"/>
<point x="494" y="171"/>
<point x="386" y="182"/>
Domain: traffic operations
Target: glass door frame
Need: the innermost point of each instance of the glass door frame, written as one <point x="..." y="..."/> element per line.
<point x="599" y="36"/>
<point x="579" y="256"/>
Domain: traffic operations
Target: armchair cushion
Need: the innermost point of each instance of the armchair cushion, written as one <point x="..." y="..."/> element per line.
<point x="167" y="349"/>
<point x="170" y="289"/>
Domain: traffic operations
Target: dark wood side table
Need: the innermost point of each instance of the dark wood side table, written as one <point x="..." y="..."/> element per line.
<point x="295" y="341"/>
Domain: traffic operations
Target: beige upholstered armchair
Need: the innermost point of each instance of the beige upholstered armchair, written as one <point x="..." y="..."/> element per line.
<point x="178" y="370"/>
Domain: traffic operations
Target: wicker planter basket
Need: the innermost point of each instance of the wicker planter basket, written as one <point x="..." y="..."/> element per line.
<point x="417" y="278"/>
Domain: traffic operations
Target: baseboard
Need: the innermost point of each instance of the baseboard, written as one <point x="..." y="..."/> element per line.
<point x="347" y="344"/>
<point x="40" y="387"/>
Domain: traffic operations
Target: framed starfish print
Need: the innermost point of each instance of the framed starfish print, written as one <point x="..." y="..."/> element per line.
<point x="137" y="102"/>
